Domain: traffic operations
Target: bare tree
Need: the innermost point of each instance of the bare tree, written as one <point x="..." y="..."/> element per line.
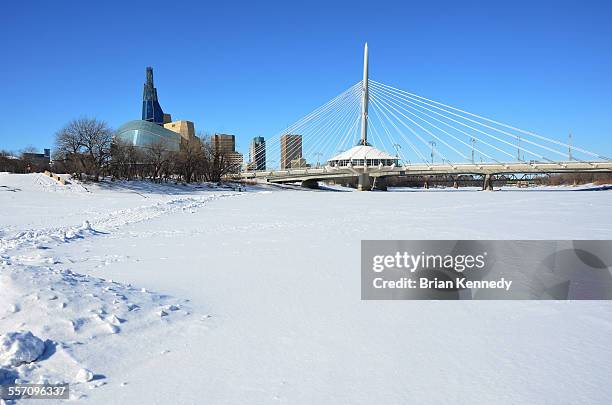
<point x="84" y="144"/>
<point x="68" y="149"/>
<point x="157" y="157"/>
<point x="96" y="137"/>
<point x="10" y="163"/>
<point x="29" y="158"/>
<point x="87" y="146"/>
<point x="215" y="163"/>
<point x="577" y="178"/>
<point x="29" y="149"/>
<point x="189" y="160"/>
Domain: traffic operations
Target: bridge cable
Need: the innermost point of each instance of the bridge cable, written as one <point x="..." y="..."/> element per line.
<point x="334" y="127"/>
<point x="565" y="145"/>
<point x="484" y="133"/>
<point x="385" y="105"/>
<point x="401" y="133"/>
<point x="323" y="109"/>
<point x="386" y="130"/>
<point x="514" y="136"/>
<point x="312" y="119"/>
<point x="420" y="126"/>
<point x="345" y="111"/>
<point x="375" y="91"/>
<point x="459" y="130"/>
<point x="327" y="110"/>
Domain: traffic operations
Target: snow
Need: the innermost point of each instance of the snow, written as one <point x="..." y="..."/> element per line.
<point x="17" y="348"/>
<point x="261" y="296"/>
<point x="84" y="375"/>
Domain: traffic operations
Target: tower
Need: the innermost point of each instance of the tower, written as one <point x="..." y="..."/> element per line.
<point x="257" y="153"/>
<point x="151" y="110"/>
<point x="364" y="99"/>
<point x="290" y="149"/>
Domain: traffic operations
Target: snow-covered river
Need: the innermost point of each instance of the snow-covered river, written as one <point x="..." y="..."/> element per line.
<point x="254" y="297"/>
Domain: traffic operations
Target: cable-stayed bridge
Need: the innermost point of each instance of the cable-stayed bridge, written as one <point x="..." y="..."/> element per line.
<point x="373" y="130"/>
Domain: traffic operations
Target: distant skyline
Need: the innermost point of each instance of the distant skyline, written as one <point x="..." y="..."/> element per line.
<point x="252" y="68"/>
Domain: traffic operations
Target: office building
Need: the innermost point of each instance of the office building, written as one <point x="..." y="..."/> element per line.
<point x="257" y="154"/>
<point x="299" y="163"/>
<point x="234" y="158"/>
<point x="291" y="149"/>
<point x="223" y="143"/>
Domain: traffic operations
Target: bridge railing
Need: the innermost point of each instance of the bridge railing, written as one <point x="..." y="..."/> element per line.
<point x="460" y="168"/>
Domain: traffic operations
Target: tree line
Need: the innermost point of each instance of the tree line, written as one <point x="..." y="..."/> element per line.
<point x="21" y="162"/>
<point x="88" y="149"/>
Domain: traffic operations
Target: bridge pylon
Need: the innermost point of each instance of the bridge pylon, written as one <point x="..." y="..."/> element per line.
<point x="364" y="99"/>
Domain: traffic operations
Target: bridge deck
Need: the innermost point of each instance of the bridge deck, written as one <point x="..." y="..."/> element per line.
<point x="328" y="172"/>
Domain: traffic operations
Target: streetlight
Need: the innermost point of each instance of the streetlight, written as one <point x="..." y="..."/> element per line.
<point x="433" y="145"/>
<point x="397" y="147"/>
<point x="473" y="141"/>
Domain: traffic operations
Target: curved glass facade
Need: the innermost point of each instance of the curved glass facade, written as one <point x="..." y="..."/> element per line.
<point x="144" y="134"/>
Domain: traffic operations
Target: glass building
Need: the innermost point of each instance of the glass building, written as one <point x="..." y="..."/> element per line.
<point x="151" y="110"/>
<point x="144" y="134"/>
<point x="257" y="153"/>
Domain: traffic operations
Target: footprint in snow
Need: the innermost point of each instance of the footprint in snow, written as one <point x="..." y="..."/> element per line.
<point x="77" y="324"/>
<point x="114" y="320"/>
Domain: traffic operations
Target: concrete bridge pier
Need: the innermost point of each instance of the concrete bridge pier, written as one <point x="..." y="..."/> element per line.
<point x="487" y="183"/>
<point x="379" y="183"/>
<point x="364" y="182"/>
<point x="313" y="184"/>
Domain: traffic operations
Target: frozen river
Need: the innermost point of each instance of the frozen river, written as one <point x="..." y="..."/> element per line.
<point x="272" y="283"/>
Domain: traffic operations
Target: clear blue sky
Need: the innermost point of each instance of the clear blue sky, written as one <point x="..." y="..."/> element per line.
<point x="251" y="68"/>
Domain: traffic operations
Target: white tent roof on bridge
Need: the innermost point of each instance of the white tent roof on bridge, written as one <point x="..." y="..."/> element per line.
<point x="362" y="152"/>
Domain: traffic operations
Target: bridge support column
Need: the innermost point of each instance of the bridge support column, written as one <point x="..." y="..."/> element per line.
<point x="455" y="184"/>
<point x="313" y="184"/>
<point x="487" y="183"/>
<point x="379" y="183"/>
<point x="426" y="186"/>
<point x="364" y="182"/>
